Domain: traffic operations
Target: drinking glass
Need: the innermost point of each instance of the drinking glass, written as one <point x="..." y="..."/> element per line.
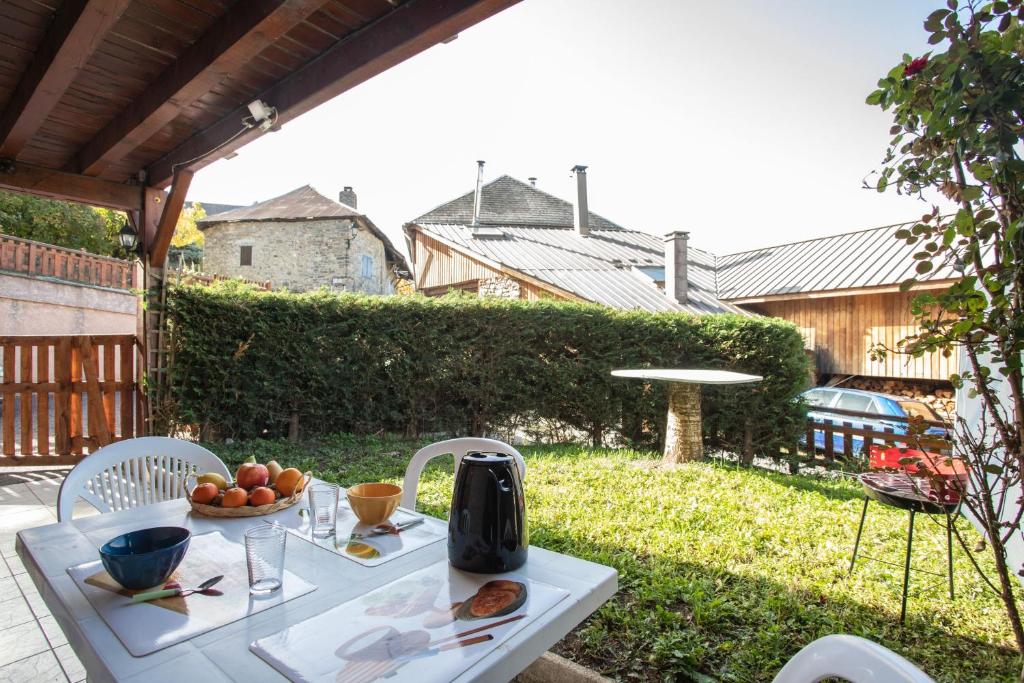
<point x="323" y="509"/>
<point x="264" y="557"/>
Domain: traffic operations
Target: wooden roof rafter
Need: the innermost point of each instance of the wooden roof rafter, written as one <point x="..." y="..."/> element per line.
<point x="410" y="28"/>
<point x="234" y="39"/>
<point x="115" y="99"/>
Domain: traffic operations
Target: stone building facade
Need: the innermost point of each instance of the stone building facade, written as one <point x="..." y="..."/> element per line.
<point x="302" y="241"/>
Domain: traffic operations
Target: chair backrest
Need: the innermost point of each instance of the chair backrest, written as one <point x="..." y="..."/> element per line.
<point x="134" y="472"/>
<point x="458" y="448"/>
<point x="850" y="658"/>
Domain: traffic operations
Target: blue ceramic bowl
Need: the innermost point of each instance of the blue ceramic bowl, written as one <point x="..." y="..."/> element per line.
<point x="145" y="558"/>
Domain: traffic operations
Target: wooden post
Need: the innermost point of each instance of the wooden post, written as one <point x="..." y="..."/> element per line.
<point x="43" y="399"/>
<point x="26" y="399"/>
<point x="8" y="410"/>
<point x="62" y="397"/>
<point x="683" y="438"/>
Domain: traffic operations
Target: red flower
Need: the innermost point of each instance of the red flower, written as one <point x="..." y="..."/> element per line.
<point x="916" y="66"/>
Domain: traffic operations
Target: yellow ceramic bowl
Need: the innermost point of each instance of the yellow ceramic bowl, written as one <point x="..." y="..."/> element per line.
<point x="374" y="503"/>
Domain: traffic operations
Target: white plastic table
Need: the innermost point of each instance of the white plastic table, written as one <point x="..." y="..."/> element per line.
<point x="683" y="430"/>
<point x="223" y="654"/>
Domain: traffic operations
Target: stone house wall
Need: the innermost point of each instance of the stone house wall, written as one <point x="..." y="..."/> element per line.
<point x="500" y="286"/>
<point x="300" y="255"/>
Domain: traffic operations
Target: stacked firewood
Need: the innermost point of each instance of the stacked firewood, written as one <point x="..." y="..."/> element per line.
<point x="939" y="395"/>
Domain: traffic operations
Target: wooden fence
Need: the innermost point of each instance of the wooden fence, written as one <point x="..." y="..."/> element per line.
<point x="845" y="430"/>
<point x="64" y="396"/>
<point x="36" y="258"/>
<point x="187" y="277"/>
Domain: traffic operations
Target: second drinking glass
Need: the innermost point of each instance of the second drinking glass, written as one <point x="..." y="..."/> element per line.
<point x="323" y="509"/>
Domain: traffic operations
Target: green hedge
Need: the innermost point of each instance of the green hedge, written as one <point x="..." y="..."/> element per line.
<point x="246" y="361"/>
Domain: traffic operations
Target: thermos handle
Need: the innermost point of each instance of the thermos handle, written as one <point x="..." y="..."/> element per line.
<point x="458" y="448"/>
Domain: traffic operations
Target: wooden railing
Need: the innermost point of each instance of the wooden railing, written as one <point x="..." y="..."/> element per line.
<point x="64" y="396"/>
<point x="36" y="258"/>
<point x="845" y="429"/>
<point x="187" y="277"/>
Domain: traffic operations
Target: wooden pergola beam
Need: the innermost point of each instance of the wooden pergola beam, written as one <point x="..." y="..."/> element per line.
<point x="411" y="28"/>
<point x="161" y="242"/>
<point x="231" y="42"/>
<point x="44" y="182"/>
<point x="77" y="28"/>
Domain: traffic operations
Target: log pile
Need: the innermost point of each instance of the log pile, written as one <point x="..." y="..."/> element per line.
<point x="939" y="395"/>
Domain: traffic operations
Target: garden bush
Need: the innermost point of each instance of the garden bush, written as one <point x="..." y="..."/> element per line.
<point x="247" y="362"/>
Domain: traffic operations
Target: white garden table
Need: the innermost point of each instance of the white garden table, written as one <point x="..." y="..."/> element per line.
<point x="683" y="430"/>
<point x="223" y="654"/>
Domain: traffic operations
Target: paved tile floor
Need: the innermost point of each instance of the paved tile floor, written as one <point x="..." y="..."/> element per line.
<point x="32" y="646"/>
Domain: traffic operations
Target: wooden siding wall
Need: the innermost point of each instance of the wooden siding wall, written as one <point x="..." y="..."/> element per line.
<point x="440" y="266"/>
<point x="841" y="331"/>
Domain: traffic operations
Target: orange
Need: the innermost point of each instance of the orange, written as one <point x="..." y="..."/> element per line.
<point x="205" y="493"/>
<point x="290" y="481"/>
<point x="234" y="498"/>
<point x="261" y="495"/>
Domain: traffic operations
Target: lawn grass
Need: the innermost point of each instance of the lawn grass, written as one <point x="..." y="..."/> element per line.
<point x="723" y="571"/>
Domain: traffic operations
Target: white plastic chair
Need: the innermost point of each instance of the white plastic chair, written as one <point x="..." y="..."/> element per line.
<point x="850" y="658"/>
<point x="135" y="472"/>
<point x="458" y="448"/>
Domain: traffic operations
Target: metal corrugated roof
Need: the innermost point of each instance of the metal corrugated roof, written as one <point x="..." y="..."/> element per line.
<point x="597" y="268"/>
<point x="867" y="258"/>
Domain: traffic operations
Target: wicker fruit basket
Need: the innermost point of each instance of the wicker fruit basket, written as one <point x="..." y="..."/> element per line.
<point x="244" y="510"/>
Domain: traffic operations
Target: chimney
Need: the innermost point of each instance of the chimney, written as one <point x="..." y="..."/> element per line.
<point x="478" y="196"/>
<point x="676" y="284"/>
<point x="533" y="180"/>
<point x="580" y="213"/>
<point x="347" y="196"/>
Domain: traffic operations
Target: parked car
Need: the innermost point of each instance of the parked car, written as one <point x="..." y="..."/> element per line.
<point x="880" y="406"/>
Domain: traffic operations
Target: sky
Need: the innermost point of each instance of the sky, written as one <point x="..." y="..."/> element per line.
<point x="741" y="121"/>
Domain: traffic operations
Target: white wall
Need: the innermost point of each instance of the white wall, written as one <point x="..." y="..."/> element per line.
<point x="42" y="306"/>
<point x="970" y="409"/>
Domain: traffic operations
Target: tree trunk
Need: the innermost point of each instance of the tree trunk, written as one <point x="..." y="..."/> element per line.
<point x="683" y="438"/>
<point x="748" y="443"/>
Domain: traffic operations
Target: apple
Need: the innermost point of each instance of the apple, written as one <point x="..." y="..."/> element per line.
<point x="250" y="475"/>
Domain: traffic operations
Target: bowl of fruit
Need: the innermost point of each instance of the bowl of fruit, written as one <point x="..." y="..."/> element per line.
<point x="257" y="490"/>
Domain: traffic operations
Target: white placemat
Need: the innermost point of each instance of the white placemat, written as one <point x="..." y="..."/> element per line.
<point x="369" y="551"/>
<point x="146" y="627"/>
<point x="429" y="626"/>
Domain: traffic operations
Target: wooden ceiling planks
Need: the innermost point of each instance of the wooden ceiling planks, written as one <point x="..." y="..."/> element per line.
<point x="77" y="28"/>
<point x="226" y="46"/>
<point x="154" y="84"/>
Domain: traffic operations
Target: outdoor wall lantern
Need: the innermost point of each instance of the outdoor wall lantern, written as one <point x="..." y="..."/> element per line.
<point x="129" y="239"/>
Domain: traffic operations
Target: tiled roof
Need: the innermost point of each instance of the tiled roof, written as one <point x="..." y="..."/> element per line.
<point x="507" y="201"/>
<point x="212" y="209"/>
<point x="301" y="204"/>
<point x="866" y="258"/>
<point x="602" y="268"/>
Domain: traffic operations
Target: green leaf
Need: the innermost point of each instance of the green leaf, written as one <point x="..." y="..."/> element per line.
<point x="923" y="267"/>
<point x="875" y="97"/>
<point x="907" y="284"/>
<point x="971" y="193"/>
<point x="936" y="38"/>
<point x="934" y="21"/>
<point x="883" y="182"/>
<point x="982" y="172"/>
